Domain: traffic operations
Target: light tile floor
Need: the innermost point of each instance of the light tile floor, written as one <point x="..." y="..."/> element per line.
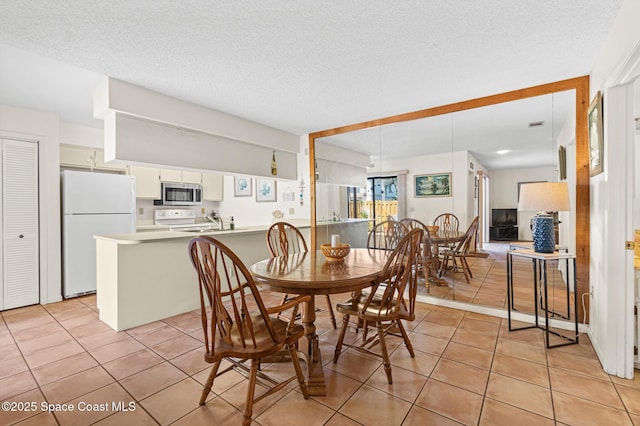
<point x="468" y="369"/>
<point x="488" y="285"/>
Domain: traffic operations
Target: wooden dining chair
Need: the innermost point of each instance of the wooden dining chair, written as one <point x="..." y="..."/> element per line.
<point x="427" y="260"/>
<point x="386" y="235"/>
<point x="385" y="306"/>
<point x="236" y="324"/>
<point x="284" y="239"/>
<point x="447" y="222"/>
<point x="460" y="252"/>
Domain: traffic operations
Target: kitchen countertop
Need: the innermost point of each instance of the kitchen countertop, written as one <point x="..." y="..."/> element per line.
<point x="151" y="233"/>
<point x="151" y="236"/>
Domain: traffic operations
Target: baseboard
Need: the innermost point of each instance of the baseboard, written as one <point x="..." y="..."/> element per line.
<point x="500" y="313"/>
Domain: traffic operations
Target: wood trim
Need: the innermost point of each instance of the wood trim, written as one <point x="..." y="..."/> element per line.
<point x="583" y="212"/>
<point x="312" y="190"/>
<point x="579" y="84"/>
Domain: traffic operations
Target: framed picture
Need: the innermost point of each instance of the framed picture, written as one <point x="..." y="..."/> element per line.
<point x="435" y="185"/>
<point x="242" y="186"/>
<point x="265" y="190"/>
<point x="596" y="137"/>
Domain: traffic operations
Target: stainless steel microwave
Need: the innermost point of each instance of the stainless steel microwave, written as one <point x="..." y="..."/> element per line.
<point x="181" y="194"/>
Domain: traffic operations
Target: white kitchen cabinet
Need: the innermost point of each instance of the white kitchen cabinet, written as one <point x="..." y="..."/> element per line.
<point x="86" y="158"/>
<point x="212" y="187"/>
<point x="170" y="175"/>
<point x="182" y="176"/>
<point x="191" y="177"/>
<point x="19" y="258"/>
<point x="76" y="156"/>
<point x="147" y="181"/>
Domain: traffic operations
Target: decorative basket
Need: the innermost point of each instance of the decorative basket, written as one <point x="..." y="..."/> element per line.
<point x="433" y="229"/>
<point x="335" y="254"/>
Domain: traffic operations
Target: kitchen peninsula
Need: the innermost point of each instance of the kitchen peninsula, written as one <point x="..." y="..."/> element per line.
<point x="147" y="276"/>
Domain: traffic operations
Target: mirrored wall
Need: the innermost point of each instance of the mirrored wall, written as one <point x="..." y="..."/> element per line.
<point x="468" y="162"/>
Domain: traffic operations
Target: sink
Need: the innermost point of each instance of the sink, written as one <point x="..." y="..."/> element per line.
<point x="194" y="228"/>
<point x="200" y="229"/>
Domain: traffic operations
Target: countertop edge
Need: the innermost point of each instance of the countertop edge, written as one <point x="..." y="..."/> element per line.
<point x="164" y="235"/>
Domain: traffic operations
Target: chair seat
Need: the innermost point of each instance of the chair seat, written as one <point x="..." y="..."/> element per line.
<point x="375" y="311"/>
<point x="261" y="336"/>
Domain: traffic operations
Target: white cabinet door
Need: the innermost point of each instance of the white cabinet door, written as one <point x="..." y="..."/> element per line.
<point x="20" y="237"/>
<point x="182" y="176"/>
<point x="191" y="177"/>
<point x="170" y="175"/>
<point x="77" y="156"/>
<point x="212" y="187"/>
<point x="86" y="158"/>
<point x="147" y="181"/>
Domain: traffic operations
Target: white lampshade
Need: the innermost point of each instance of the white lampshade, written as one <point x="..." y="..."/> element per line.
<point x="544" y="197"/>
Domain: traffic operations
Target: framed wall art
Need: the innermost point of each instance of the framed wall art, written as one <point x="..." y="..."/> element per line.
<point x="265" y="190"/>
<point x="242" y="186"/>
<point x="434" y="185"/>
<point x="596" y="137"/>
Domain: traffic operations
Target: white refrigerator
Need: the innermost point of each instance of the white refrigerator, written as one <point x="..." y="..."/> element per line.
<point x="92" y="204"/>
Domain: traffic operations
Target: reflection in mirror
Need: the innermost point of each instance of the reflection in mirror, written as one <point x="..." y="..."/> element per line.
<point x="467" y="163"/>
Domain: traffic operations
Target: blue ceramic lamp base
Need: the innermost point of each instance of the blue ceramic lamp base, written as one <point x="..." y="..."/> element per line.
<point x="544" y="240"/>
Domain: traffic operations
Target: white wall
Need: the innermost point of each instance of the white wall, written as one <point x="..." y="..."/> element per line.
<point x="18" y="123"/>
<point x="426" y="209"/>
<point x="72" y="134"/>
<point x="504" y="192"/>
<point x="605" y="321"/>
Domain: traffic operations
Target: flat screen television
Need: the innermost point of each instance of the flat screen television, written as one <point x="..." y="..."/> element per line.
<point x="504" y="217"/>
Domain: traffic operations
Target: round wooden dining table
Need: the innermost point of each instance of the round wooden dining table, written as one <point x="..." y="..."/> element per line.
<point x="310" y="273"/>
<point x="441" y="238"/>
<point x="446" y="237"/>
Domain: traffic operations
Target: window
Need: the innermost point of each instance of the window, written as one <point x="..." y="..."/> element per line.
<point x="377" y="201"/>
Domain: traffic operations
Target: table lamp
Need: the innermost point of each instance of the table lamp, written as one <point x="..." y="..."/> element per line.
<point x="544" y="197"/>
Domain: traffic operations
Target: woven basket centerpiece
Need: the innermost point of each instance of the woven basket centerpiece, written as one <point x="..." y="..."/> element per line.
<point x="433" y="229"/>
<point x="335" y="254"/>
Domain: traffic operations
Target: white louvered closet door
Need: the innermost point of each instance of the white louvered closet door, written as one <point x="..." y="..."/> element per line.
<point x="20" y="236"/>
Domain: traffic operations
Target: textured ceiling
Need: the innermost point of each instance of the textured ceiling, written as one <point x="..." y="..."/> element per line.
<point x="300" y="66"/>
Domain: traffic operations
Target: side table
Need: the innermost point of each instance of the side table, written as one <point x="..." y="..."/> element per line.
<point x="516" y="245"/>
<point x="539" y="261"/>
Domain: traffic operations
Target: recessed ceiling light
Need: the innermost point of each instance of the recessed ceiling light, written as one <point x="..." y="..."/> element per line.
<point x="502" y="151"/>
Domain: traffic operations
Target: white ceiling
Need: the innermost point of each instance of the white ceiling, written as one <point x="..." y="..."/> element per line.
<point x="298" y="66"/>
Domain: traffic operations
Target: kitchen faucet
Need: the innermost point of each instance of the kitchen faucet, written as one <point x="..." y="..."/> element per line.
<point x="215" y="218"/>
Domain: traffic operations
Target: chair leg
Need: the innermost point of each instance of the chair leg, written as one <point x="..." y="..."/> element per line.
<point x="299" y="373"/>
<point x="385" y="354"/>
<point x="464" y="269"/>
<point x="466" y="264"/>
<point x="405" y="337"/>
<point x="248" y="409"/>
<point x="330" y="309"/>
<point x="443" y="264"/>
<point x="209" y="384"/>
<point x="343" y="330"/>
<point x="365" y="330"/>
